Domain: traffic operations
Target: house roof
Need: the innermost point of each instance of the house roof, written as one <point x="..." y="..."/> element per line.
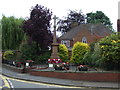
<point x="97" y="29"/>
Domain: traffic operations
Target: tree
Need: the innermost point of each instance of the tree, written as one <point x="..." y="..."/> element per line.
<point x="73" y="19"/>
<point x="12" y="32"/>
<point x="98" y="17"/>
<point x="63" y="52"/>
<point x="78" y="52"/>
<point x="37" y="27"/>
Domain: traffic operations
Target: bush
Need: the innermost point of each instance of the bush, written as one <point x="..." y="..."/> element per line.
<point x="29" y="51"/>
<point x="43" y="58"/>
<point x="61" y="66"/>
<point x="110" y="52"/>
<point x="105" y="53"/>
<point x="82" y="68"/>
<point x="63" y="52"/>
<point x="8" y="55"/>
<point x="78" y="52"/>
<point x="93" y="56"/>
<point x="88" y="56"/>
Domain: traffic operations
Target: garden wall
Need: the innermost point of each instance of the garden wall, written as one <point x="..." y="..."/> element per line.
<point x="85" y="76"/>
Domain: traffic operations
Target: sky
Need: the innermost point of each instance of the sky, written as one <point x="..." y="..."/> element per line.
<point x="60" y="8"/>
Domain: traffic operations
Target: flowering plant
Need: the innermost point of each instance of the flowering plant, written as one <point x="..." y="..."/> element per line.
<point x="82" y="68"/>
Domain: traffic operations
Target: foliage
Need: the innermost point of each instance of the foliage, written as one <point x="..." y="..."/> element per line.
<point x="43" y="58"/>
<point x="110" y="51"/>
<point x="8" y="55"/>
<point x="93" y="57"/>
<point x="105" y="54"/>
<point x="28" y="52"/>
<point x="37" y="27"/>
<point x="82" y="68"/>
<point x="99" y="17"/>
<point x="63" y="52"/>
<point x="61" y="66"/>
<point x="73" y="19"/>
<point x="78" y="52"/>
<point x="12" y="33"/>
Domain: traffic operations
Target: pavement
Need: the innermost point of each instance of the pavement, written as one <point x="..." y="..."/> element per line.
<point x="56" y="81"/>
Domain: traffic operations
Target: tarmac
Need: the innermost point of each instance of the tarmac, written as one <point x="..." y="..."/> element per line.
<point x="56" y="81"/>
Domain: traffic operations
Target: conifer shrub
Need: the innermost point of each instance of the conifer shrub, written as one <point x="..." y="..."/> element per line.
<point x="78" y="52"/>
<point x="63" y="52"/>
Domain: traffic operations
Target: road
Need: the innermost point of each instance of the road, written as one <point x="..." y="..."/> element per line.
<point x="5" y="83"/>
<point x="22" y="84"/>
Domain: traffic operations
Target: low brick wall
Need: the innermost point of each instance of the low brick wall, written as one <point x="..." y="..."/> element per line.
<point x="20" y="70"/>
<point x="85" y="76"/>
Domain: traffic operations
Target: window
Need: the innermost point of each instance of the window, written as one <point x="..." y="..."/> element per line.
<point x="66" y="42"/>
<point x="84" y="40"/>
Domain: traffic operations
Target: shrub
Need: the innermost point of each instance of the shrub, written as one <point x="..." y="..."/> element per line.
<point x="43" y="58"/>
<point x="63" y="52"/>
<point x="82" y="68"/>
<point x="110" y="51"/>
<point x="88" y="57"/>
<point x="29" y="51"/>
<point x="78" y="52"/>
<point x="8" y="55"/>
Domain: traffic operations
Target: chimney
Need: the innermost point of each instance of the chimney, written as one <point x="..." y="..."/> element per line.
<point x="118" y="25"/>
<point x="118" y="21"/>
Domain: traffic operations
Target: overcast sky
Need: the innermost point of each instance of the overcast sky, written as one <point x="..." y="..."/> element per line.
<point x="21" y="8"/>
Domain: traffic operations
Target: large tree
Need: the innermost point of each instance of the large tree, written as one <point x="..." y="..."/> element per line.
<point x="73" y="19"/>
<point x="12" y="32"/>
<point x="37" y="27"/>
<point x="98" y="17"/>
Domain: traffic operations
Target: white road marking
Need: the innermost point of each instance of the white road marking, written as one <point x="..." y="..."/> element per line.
<point x="10" y="83"/>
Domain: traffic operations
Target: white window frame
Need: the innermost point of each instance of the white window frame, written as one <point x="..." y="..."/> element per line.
<point x="84" y="40"/>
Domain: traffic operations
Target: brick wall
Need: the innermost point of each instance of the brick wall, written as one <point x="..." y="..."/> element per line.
<point x="101" y="77"/>
<point x="85" y="76"/>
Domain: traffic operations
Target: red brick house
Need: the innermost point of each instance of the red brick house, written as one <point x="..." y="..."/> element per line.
<point x="86" y="33"/>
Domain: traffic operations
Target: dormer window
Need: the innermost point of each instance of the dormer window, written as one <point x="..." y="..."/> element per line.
<point x="66" y="42"/>
<point x="84" y="40"/>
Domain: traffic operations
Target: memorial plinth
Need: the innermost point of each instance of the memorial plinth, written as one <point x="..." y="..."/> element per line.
<point x="54" y="54"/>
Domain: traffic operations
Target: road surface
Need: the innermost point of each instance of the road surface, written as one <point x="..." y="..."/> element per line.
<point x="17" y="84"/>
